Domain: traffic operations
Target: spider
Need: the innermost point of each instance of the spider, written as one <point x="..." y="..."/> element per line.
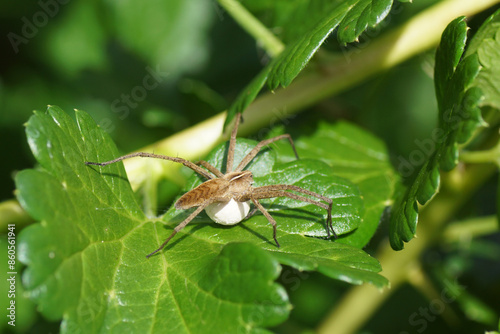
<point x="226" y="197"/>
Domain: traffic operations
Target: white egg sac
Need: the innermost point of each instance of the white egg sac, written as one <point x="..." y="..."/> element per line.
<point x="228" y="213"/>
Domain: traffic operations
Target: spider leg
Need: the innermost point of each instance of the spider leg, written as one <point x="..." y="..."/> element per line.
<point x="280" y="190"/>
<point x="246" y="160"/>
<point x="232" y="144"/>
<point x="251" y="213"/>
<point x="269" y="218"/>
<point x="180" y="227"/>
<point x="211" y="168"/>
<point x="186" y="163"/>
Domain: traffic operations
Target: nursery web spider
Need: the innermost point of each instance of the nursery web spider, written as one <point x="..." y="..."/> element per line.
<point x="226" y="197"/>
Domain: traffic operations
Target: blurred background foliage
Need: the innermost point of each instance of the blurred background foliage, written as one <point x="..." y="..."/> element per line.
<point x="91" y="55"/>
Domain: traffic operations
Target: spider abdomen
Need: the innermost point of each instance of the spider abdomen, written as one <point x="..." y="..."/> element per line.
<point x="215" y="188"/>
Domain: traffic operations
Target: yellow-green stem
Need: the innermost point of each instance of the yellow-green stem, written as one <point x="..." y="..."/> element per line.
<point x="12" y="213"/>
<point x="486" y="156"/>
<point x="471" y="228"/>
<point x="417" y="35"/>
<point x="254" y="27"/>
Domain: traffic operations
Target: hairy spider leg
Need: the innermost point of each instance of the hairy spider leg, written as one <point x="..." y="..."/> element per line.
<point x="232" y="144"/>
<point x="211" y="168"/>
<point x="269" y="218"/>
<point x="230" y="152"/>
<point x="186" y="163"/>
<point x="246" y="160"/>
<point x="181" y="226"/>
<point x="280" y="190"/>
<point x="251" y="213"/>
<point x="258" y="193"/>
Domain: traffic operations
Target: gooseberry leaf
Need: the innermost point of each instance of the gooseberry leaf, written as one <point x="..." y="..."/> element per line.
<point x="359" y="156"/>
<point x="295" y="220"/>
<point x="297" y="217"/>
<point x="86" y="258"/>
<point x="168" y="34"/>
<point x="486" y="43"/>
<point x="459" y="115"/>
<point x="351" y="17"/>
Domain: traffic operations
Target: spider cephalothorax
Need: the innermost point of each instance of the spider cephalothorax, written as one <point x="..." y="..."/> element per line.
<point x="226" y="197"/>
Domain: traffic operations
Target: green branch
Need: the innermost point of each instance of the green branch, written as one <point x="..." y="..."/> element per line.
<point x="486" y="156"/>
<point x="254" y="27"/>
<point x="12" y="213"/>
<point x="417" y="35"/>
<point x="471" y="228"/>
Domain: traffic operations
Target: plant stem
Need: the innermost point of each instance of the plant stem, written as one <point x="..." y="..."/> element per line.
<point x="12" y="213"/>
<point x="421" y="281"/>
<point x="417" y="35"/>
<point x="486" y="156"/>
<point x="253" y="26"/>
<point x="471" y="228"/>
<point x="188" y="142"/>
<point x="150" y="195"/>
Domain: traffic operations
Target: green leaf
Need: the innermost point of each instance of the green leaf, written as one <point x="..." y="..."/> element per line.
<point x="168" y="34"/>
<point x="362" y="14"/>
<point x="86" y="258"/>
<point x="289" y="19"/>
<point x="299" y="219"/>
<point x="295" y="217"/>
<point x="77" y="41"/>
<point x="486" y="44"/>
<point x="248" y="94"/>
<point x="459" y="115"/>
<point x="352" y="17"/>
<point x="347" y="264"/>
<point x="358" y="156"/>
